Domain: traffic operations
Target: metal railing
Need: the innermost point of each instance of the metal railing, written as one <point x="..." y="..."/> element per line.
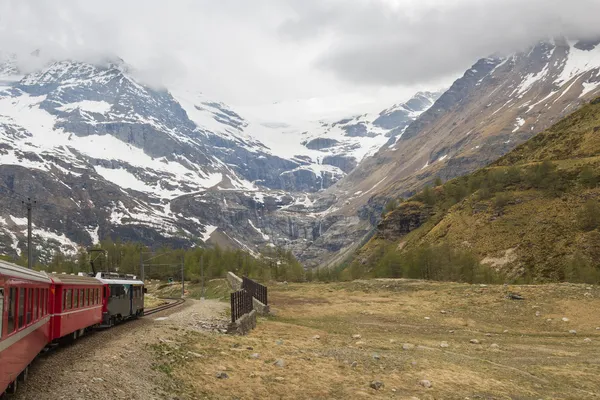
<point x="256" y="290"/>
<point x="241" y="303"/>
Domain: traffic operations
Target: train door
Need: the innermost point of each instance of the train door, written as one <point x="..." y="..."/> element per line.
<point x="131" y="290"/>
<point x="1" y="309"/>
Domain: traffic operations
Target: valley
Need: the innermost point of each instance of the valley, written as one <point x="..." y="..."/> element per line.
<point x="336" y="339"/>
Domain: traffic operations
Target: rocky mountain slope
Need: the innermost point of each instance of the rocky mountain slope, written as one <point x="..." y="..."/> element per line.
<point x="106" y="156"/>
<point x="498" y="104"/>
<point x="535" y="212"/>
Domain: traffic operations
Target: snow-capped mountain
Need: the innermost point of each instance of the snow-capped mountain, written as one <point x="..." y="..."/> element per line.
<point x="107" y="156"/>
<point x="498" y="104"/>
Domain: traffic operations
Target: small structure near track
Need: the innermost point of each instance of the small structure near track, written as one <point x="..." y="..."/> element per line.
<point x="258" y="292"/>
<point x="247" y="299"/>
<point x="243" y="316"/>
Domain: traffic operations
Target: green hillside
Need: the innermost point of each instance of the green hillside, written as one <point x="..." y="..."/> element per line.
<point x="533" y="215"/>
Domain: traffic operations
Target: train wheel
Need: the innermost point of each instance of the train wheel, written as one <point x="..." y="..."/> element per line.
<point x="24" y="375"/>
<point x="74" y="335"/>
<point x="12" y="388"/>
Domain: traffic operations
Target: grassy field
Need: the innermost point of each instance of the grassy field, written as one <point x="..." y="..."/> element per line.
<point x="525" y="349"/>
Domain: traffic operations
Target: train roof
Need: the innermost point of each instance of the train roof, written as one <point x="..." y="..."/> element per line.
<point x="66" y="279"/>
<point x="116" y="279"/>
<point x="16" y="271"/>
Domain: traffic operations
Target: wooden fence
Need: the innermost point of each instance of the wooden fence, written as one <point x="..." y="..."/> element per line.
<point x="255" y="289"/>
<point x="241" y="303"/>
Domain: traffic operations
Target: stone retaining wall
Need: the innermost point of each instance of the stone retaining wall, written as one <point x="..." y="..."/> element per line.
<point x="243" y="325"/>
<point x="261" y="309"/>
<point x="234" y="281"/>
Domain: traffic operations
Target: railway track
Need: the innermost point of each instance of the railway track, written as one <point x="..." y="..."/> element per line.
<point x="173" y="303"/>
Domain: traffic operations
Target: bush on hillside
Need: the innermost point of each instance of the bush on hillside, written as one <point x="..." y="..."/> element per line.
<point x="588" y="216"/>
<point x="588" y="178"/>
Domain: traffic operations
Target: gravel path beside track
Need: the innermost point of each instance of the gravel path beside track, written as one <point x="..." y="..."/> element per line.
<point x="117" y="363"/>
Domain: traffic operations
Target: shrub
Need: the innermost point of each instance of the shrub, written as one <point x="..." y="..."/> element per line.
<point x="588" y="216"/>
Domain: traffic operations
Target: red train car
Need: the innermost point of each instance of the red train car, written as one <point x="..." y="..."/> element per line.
<point x="76" y="305"/>
<point x="25" y="322"/>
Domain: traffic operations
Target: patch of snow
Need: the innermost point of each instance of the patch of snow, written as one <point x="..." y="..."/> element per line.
<point x="208" y="230"/>
<point x="578" y="62"/>
<point x="264" y="236"/>
<point x="19" y="221"/>
<point x="67" y="245"/>
<point x="98" y="107"/>
<point x="518" y="124"/>
<point x="94" y="234"/>
<point x="589" y="87"/>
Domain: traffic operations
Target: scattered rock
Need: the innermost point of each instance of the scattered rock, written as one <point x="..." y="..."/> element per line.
<point x="279" y="342"/>
<point x="427" y="318"/>
<point x="549" y="320"/>
<point x="354" y="364"/>
<point x="537" y="313"/>
<point x="488" y="334"/>
<point x="393" y="390"/>
<point x="408" y="346"/>
<point x="514" y="296"/>
<point x="222" y="368"/>
<point x="360" y="343"/>
<point x="444" y="345"/>
<point x="443" y="312"/>
<point x="97" y="380"/>
<point x="587" y="340"/>
<point x="191" y="353"/>
<point x="425" y="383"/>
<point x="565" y="319"/>
<point x="255" y="355"/>
<point x="588" y="288"/>
<point x="279" y="363"/>
<point x="392" y="341"/>
<point x="474" y="341"/>
<point x="494" y="346"/>
<point x="505" y="331"/>
<point x="316" y="337"/>
<point x="221" y="375"/>
<point x="279" y="378"/>
<point x="376" y="356"/>
<point x="450" y="331"/>
<point x="598" y="328"/>
<point x="587" y="294"/>
<point x="376" y="385"/>
<point x="573" y="332"/>
<point x="356" y="336"/>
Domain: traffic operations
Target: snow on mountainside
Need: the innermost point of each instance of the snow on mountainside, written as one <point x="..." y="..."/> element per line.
<point x="498" y="104"/>
<point x="335" y="143"/>
<point x="109" y="157"/>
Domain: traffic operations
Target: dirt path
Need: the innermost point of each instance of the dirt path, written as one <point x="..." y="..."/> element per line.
<point x="119" y="363"/>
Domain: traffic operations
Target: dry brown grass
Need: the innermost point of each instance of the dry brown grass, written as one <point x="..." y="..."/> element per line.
<point x="536" y="358"/>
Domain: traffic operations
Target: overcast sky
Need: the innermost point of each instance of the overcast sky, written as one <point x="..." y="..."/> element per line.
<point x="247" y="52"/>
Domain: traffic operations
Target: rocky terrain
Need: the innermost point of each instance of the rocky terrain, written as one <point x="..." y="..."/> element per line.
<point x="533" y="213"/>
<point x="498" y="104"/>
<point x="106" y="156"/>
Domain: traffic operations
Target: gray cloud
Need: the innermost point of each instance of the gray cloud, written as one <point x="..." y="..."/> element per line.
<point x="248" y="52"/>
<point x="389" y="43"/>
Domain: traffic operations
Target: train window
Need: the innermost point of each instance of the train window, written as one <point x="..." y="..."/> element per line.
<point x="29" y="312"/>
<point x="81" y="297"/>
<point x="21" y="305"/>
<point x="45" y="301"/>
<point x="69" y="299"/>
<point x="12" y="308"/>
<point x="87" y="297"/>
<point x="36" y="293"/>
<point x="97" y="296"/>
